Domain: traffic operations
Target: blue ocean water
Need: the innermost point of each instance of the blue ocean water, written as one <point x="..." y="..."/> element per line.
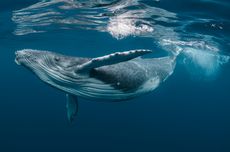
<point x="188" y="112"/>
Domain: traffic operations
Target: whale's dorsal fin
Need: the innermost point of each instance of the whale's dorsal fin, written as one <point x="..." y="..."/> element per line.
<point x="113" y="58"/>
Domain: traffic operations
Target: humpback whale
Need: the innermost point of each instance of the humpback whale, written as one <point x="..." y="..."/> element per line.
<point x="115" y="77"/>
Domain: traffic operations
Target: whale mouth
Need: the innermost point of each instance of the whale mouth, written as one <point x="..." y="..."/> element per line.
<point x="17" y="58"/>
<point x="16" y="61"/>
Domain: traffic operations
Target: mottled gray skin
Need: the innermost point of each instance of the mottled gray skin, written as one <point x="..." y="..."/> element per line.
<point x="120" y="81"/>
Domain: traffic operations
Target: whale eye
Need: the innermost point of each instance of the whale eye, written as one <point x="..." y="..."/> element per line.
<point x="56" y="58"/>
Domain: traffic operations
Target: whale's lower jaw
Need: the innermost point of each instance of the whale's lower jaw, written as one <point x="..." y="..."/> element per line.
<point x="93" y="89"/>
<point x="105" y="92"/>
<point x="108" y="93"/>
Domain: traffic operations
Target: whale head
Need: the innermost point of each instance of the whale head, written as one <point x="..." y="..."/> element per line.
<point x="51" y="67"/>
<point x="45" y="59"/>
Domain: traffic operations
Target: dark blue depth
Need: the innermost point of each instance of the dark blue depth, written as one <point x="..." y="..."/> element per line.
<point x="185" y="114"/>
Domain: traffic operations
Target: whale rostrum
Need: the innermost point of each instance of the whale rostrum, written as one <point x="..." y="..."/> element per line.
<point x="115" y="77"/>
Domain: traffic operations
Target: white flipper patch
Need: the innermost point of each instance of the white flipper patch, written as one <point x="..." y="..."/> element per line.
<point x="71" y="106"/>
<point x="113" y="58"/>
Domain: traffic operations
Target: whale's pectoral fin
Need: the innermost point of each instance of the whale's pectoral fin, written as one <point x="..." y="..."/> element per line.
<point x="71" y="106"/>
<point x="113" y="58"/>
